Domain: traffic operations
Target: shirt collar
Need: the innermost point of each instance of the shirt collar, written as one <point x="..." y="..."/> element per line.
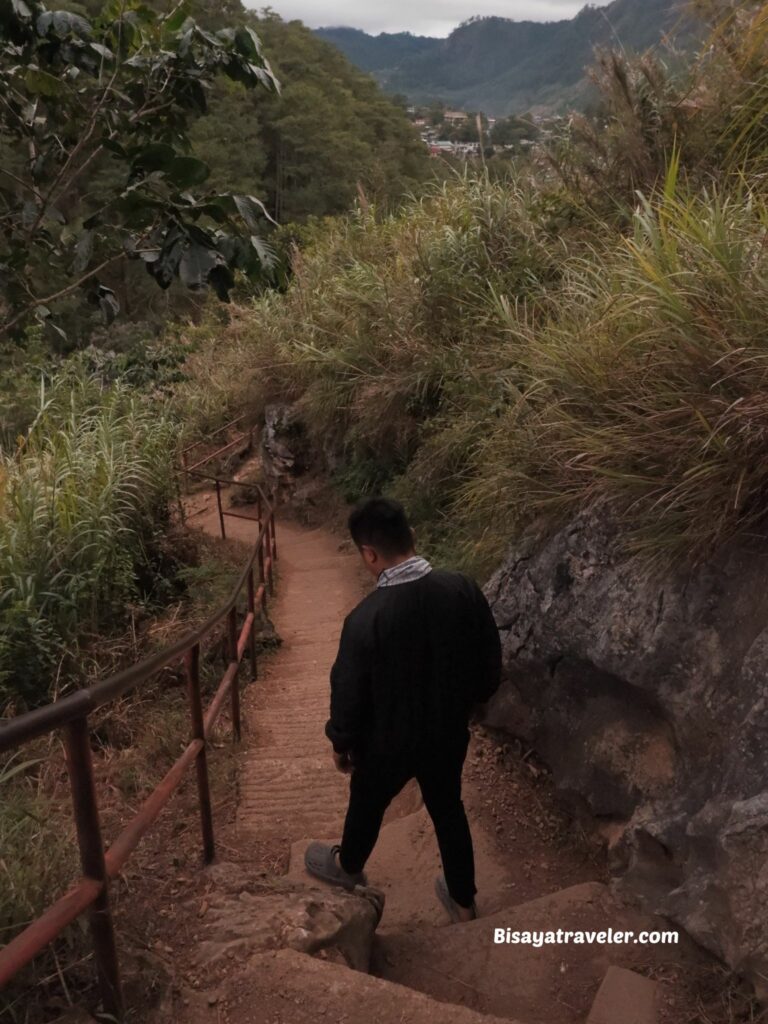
<point x="406" y="572"/>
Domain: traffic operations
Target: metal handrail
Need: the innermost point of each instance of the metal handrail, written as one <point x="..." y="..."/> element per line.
<point x="214" y="433"/>
<point x="99" y="867"/>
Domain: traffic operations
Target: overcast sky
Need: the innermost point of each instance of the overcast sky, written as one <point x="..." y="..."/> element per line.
<point x="422" y="17"/>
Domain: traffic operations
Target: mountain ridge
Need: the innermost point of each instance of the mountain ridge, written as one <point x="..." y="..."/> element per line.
<point x="501" y="66"/>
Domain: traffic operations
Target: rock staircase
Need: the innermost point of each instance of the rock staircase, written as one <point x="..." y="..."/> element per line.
<point x="423" y="969"/>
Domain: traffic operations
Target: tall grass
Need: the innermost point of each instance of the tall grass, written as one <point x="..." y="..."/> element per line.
<point x="81" y="502"/>
<point x="492" y="372"/>
<point x="646" y="386"/>
<point x="591" y="334"/>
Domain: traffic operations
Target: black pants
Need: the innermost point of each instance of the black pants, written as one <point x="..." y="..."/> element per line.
<point x="375" y="783"/>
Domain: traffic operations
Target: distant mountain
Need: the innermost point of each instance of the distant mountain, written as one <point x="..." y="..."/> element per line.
<point x="502" y="66"/>
<point x="378" y="53"/>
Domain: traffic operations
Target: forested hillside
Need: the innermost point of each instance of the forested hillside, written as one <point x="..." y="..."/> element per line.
<point x="504" y="67"/>
<point x="306" y="150"/>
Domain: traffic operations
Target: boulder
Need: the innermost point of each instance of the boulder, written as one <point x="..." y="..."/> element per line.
<point x="247" y="915"/>
<point x="647" y="693"/>
<point x="287" y="452"/>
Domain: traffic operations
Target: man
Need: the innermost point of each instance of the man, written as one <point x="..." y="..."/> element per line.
<point x="414" y="657"/>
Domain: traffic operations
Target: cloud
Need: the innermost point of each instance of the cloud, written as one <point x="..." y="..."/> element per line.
<point x="422" y="17"/>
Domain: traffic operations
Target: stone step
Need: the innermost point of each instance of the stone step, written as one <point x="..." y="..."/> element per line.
<point x="287" y="987"/>
<point x="406" y="862"/>
<point x="626" y="997"/>
<point x="539" y="984"/>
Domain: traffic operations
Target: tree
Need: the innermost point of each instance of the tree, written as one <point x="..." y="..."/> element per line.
<point x="95" y="167"/>
<point x="328" y="133"/>
<point x="510" y="131"/>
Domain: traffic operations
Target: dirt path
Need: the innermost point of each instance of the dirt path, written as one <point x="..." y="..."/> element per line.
<point x="532" y="867"/>
<point x="289" y="787"/>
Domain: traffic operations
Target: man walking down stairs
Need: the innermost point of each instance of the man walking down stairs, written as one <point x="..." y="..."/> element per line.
<point x="415" y="656"/>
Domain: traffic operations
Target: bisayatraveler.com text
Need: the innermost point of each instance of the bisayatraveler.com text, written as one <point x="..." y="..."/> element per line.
<point x="561" y="937"/>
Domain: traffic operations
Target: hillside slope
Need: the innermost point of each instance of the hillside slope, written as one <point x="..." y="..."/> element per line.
<point x="502" y="66"/>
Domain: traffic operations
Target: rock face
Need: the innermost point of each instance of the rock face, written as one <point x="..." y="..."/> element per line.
<point x="246" y="916"/>
<point x="286" y="450"/>
<point x="648" y="696"/>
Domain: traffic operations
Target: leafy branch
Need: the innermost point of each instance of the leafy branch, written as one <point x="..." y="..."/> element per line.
<point x="95" y="161"/>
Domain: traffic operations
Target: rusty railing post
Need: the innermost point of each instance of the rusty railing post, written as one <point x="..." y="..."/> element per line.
<point x="262" y="581"/>
<point x="221" y="511"/>
<point x="252" y="611"/>
<point x="192" y="666"/>
<point x="235" y="685"/>
<point x="268" y="542"/>
<point x="259" y="514"/>
<point x="274" y="535"/>
<point x="91" y="845"/>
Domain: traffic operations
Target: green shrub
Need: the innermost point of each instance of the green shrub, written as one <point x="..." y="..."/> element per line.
<point x="82" y="503"/>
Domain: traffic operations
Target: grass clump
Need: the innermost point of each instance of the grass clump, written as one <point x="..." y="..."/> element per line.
<point x="83" y="502"/>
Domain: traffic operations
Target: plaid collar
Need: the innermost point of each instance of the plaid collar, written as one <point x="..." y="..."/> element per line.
<point x="406" y="572"/>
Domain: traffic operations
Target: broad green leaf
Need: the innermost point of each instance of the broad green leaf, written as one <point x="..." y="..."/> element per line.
<point x="250" y="209"/>
<point x="175" y="20"/>
<point x="41" y="83"/>
<point x="247" y="42"/>
<point x="187" y="170"/>
<point x="83" y="251"/>
<point x="103" y="51"/>
<point x="63" y="23"/>
<point x="157" y="156"/>
<point x="196" y="264"/>
<point x="222" y="280"/>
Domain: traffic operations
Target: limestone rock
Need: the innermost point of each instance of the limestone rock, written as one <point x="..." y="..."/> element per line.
<point x="286" y="449"/>
<point x="247" y="916"/>
<point x="648" y="696"/>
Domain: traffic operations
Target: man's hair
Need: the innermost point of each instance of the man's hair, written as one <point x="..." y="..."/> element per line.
<point x="382" y="524"/>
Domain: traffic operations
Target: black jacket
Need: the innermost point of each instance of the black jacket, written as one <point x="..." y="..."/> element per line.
<point x="413" y="660"/>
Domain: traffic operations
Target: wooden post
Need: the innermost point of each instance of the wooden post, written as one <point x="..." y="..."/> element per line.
<point x="192" y="666"/>
<point x="86" y="812"/>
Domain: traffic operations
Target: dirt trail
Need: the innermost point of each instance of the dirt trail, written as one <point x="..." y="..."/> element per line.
<point x="532" y="871"/>
<point x="289" y="786"/>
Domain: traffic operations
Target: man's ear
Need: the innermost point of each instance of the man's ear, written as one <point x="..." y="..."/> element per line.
<point x="370" y="555"/>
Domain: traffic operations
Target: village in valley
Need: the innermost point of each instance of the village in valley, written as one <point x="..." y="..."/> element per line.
<point x="468" y="135"/>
